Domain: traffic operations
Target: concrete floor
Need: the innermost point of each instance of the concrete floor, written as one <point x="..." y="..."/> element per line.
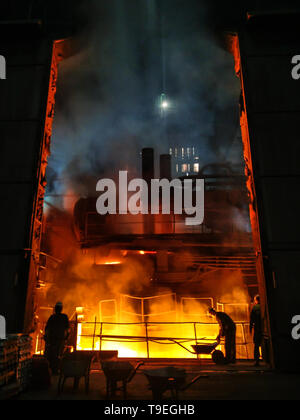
<point x="234" y="382"/>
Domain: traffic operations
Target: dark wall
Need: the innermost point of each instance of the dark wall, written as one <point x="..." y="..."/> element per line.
<point x="60" y="18"/>
<point x="23" y="101"/>
<point x="33" y="9"/>
<point x="267" y="45"/>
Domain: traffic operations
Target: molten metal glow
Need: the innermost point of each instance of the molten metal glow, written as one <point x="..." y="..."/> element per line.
<point x="158" y="335"/>
<point x="113" y="263"/>
<point x="130" y="339"/>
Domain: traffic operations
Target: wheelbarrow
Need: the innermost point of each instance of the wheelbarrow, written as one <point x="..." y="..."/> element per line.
<point x="206" y="349"/>
<point x="116" y="372"/>
<point x="75" y="365"/>
<point x="168" y="379"/>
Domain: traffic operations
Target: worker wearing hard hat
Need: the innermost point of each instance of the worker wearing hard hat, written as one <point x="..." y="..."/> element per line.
<point x="56" y="333"/>
<point x="227" y="330"/>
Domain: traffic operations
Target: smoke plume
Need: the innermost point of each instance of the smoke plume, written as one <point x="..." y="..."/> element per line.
<point x="108" y="93"/>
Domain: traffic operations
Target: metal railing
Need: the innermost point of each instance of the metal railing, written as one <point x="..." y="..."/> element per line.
<point x="145" y="334"/>
<point x="126" y="308"/>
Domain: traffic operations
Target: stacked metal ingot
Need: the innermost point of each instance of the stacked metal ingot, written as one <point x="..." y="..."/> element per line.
<point x="24" y="361"/>
<point x="8" y="362"/>
<point x="15" y="365"/>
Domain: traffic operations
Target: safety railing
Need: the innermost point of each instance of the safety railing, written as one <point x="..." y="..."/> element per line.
<point x="129" y="338"/>
<point x="149" y="307"/>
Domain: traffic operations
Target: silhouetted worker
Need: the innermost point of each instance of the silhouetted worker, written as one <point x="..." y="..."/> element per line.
<point x="227" y="330"/>
<point x="256" y="325"/>
<point x="56" y="334"/>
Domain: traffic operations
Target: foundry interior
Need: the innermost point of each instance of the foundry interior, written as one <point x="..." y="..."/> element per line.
<point x="119" y="97"/>
<point x="142" y="285"/>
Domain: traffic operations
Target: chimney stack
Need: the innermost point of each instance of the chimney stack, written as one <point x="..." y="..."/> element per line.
<point x="166" y="167"/>
<point x="148" y="165"/>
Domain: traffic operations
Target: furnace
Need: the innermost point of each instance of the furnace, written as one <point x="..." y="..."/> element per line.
<point x="141" y="285"/>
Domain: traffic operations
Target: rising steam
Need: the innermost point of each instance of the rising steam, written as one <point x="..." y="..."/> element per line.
<point x="131" y="52"/>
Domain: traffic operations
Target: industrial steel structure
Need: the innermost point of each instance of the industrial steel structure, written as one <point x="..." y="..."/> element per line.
<point x="263" y="47"/>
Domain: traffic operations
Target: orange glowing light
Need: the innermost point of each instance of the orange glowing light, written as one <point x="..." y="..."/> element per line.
<point x="113" y="263"/>
<point x="79" y="309"/>
<point x="132" y="337"/>
<point x="131" y="348"/>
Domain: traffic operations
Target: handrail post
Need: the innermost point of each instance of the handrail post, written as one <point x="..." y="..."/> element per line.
<point x="196" y="338"/>
<point x="76" y="332"/>
<point x="95" y="326"/>
<point x="143" y="311"/>
<point x="147" y="341"/>
<point x="101" y="330"/>
<point x="245" y="340"/>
